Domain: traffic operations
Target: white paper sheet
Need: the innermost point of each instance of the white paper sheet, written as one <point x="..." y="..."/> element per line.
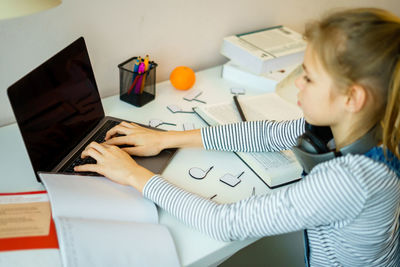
<point x="88" y="242"/>
<point x="97" y="198"/>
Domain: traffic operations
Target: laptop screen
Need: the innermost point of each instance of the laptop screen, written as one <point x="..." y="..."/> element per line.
<point x="56" y="105"/>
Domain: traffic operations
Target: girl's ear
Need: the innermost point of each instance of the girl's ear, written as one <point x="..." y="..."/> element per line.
<point x="356" y="98"/>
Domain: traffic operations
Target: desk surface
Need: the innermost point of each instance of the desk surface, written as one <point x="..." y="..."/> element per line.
<point x="193" y="247"/>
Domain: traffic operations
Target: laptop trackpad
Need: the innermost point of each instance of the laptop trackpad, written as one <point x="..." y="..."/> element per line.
<point x="156" y="163"/>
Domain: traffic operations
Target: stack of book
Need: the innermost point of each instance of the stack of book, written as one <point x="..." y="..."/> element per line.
<point x="262" y="58"/>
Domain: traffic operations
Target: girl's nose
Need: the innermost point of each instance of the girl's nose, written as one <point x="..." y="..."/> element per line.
<point x="299" y="82"/>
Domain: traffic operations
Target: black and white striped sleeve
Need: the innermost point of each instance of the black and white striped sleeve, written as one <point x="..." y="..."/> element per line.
<point x="323" y="197"/>
<point x="253" y="136"/>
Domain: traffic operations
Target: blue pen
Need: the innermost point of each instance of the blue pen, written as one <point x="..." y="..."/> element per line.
<point x="135" y="68"/>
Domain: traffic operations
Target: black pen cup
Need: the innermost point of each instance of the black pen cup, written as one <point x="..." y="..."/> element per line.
<point x="137" y="88"/>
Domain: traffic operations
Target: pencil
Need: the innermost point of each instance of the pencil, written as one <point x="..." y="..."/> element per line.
<point x="235" y="99"/>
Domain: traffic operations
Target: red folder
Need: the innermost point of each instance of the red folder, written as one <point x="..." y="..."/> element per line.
<point x="32" y="242"/>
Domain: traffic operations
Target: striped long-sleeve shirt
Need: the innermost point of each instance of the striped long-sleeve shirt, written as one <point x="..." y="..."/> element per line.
<point x="349" y="205"/>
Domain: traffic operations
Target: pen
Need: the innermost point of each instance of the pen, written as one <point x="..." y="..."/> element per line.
<point x="133" y="85"/>
<point x="136" y="68"/>
<point x="235" y="100"/>
<point x="146" y="68"/>
<point x="139" y="81"/>
<point x="134" y="74"/>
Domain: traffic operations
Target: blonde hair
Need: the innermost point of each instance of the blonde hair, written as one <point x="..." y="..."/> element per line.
<point x="362" y="46"/>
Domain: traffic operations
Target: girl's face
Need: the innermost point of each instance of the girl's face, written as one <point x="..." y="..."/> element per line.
<point x="317" y="97"/>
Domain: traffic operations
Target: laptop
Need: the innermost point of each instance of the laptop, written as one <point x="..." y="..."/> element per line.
<point x="59" y="112"/>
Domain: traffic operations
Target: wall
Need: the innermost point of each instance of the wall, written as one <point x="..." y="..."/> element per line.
<point x="173" y="32"/>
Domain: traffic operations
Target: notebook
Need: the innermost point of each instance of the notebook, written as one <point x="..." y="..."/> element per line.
<point x="59" y="112"/>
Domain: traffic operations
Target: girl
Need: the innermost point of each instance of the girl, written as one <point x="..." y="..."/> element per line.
<point x="349" y="205"/>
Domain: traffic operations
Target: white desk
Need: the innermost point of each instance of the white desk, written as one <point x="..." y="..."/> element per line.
<point x="194" y="248"/>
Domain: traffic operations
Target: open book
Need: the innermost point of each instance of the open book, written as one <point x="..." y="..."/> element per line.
<point x="273" y="168"/>
<point x="101" y="223"/>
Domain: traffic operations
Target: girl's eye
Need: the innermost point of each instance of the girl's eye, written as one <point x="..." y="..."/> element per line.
<point x="306" y="79"/>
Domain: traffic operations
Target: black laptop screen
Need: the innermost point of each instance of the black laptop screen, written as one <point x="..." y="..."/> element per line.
<point x="56" y="105"/>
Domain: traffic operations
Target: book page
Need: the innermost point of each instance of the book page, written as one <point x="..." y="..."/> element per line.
<point x="90" y="242"/>
<point x="97" y="198"/>
<point x="276" y="42"/>
<point x="274" y="168"/>
<point x="222" y="113"/>
<point x="269" y="106"/>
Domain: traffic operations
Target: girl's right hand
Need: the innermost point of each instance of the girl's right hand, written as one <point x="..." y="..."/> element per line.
<point x="141" y="141"/>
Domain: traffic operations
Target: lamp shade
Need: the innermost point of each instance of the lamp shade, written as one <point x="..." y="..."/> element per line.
<point x="16" y="8"/>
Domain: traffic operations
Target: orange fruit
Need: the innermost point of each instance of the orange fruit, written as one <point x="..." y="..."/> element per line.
<point x="182" y="78"/>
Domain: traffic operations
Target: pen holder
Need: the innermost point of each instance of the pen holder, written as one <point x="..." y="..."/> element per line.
<point x="137" y="88"/>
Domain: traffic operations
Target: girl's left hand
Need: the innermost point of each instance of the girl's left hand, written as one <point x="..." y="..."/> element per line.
<point x="115" y="164"/>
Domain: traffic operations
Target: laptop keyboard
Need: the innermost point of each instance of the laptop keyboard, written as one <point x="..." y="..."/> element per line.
<point x="77" y="160"/>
